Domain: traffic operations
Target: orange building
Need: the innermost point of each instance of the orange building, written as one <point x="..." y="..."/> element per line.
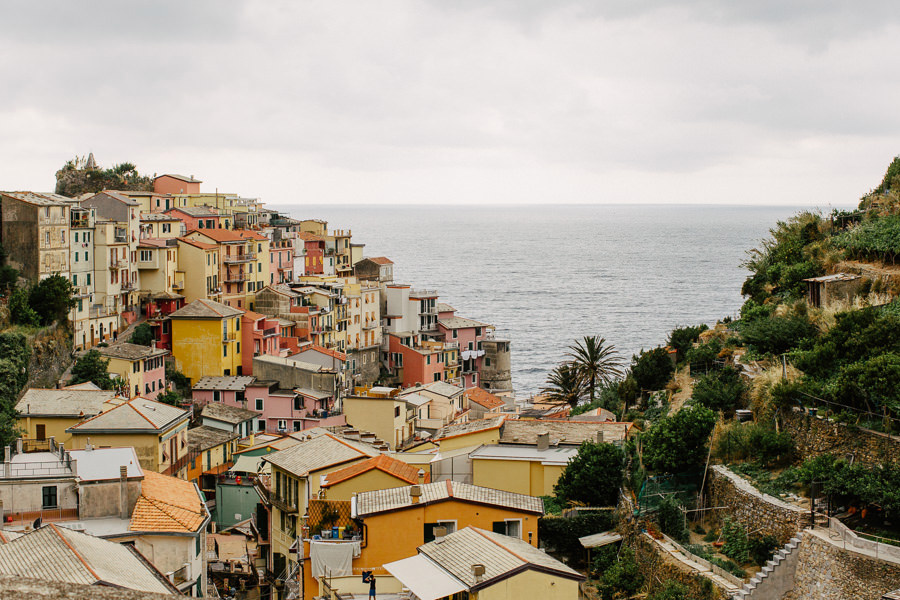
<point x="378" y="473"/>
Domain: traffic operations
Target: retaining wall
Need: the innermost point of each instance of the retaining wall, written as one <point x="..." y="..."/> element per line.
<point x="817" y="435"/>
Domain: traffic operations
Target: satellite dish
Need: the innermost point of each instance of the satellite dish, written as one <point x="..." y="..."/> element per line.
<point x="37" y="523"/>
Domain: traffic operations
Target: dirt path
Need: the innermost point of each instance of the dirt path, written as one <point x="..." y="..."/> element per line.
<point x="685" y="390"/>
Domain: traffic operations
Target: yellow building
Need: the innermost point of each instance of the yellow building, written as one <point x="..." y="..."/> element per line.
<point x="206" y="339"/>
<point x="473" y="433"/>
<point x="244" y="263"/>
<point x="479" y="564"/>
<point x="142" y="367"/>
<point x="199" y="263"/>
<point x="159" y="226"/>
<point x="390" y="418"/>
<point x="381" y="472"/>
<point x="524" y="469"/>
<point x="156" y="431"/>
<point x="43" y="414"/>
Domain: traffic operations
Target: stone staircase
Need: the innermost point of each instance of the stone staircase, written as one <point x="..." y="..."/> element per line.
<point x="777" y="576"/>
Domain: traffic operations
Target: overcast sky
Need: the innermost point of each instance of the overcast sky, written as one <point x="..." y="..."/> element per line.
<point x="472" y="101"/>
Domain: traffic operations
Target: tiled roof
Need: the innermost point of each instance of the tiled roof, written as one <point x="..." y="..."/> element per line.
<point x="136" y="415"/>
<point x="521" y="431"/>
<point x="129" y="351"/>
<point x="253" y="316"/>
<point x="231" y="235"/>
<point x="310" y="237"/>
<point x="381" y="260"/>
<point x="72" y="402"/>
<point x="54" y="553"/>
<point x="443" y="307"/>
<point x="460" y="323"/>
<point x="158" y="217"/>
<point x="227" y="414"/>
<point x="318" y="453"/>
<point x="325" y="351"/>
<point x="201" y="308"/>
<point x="197" y="244"/>
<point x="167" y="504"/>
<point x="382" y="462"/>
<point x="195" y="211"/>
<point x="205" y="437"/>
<point x="35" y="198"/>
<point x="181" y="177"/>
<point x="449" y="431"/>
<point x="87" y="385"/>
<point x="441" y="388"/>
<point x="501" y="556"/>
<point x="484" y="398"/>
<point x="120" y="197"/>
<point x="231" y="383"/>
<point x="379" y="501"/>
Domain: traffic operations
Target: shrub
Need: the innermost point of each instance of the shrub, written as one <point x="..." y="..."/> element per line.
<point x="776" y="335"/>
<point x="720" y="390"/>
<point x="169" y="397"/>
<point x="52" y="299"/>
<point x="623" y="578"/>
<point x="682" y="338"/>
<point x="671" y="519"/>
<point x="593" y="476"/>
<point x="142" y="335"/>
<point x="762" y="548"/>
<point x="742" y="441"/>
<point x="678" y="442"/>
<point x="736" y="546"/>
<point x="652" y="369"/>
<point x="704" y="354"/>
<point x="92" y="367"/>
<point x="20" y="310"/>
<point x="672" y="591"/>
<point x="561" y="535"/>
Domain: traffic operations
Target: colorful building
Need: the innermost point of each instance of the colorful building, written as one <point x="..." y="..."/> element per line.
<point x="43" y="414"/>
<point x="259" y="335"/>
<point x="387" y="416"/>
<point x="142" y="367"/>
<point x="244" y="263"/>
<point x="171" y="183"/>
<point x="199" y="261"/>
<point x="381" y="472"/>
<point x="206" y="339"/>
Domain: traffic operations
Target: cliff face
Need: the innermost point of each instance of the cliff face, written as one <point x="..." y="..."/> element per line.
<point x="51" y="356"/>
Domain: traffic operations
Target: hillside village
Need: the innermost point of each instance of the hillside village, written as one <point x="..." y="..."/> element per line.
<point x="235" y="402"/>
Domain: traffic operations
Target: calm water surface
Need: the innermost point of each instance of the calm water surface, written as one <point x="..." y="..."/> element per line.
<point x="546" y="275"/>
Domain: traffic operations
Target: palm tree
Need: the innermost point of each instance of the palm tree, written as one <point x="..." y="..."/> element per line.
<point x="596" y="361"/>
<point x="564" y="384"/>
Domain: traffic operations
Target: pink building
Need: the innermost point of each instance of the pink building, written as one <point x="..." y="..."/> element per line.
<point x="281" y="262"/>
<point x="261" y="334"/>
<point x="200" y="217"/>
<point x="171" y="183"/>
<point x="469" y="334"/>
<point x="416" y="363"/>
<point x="280" y="411"/>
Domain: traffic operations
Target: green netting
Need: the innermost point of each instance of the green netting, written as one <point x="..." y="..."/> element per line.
<point x="683" y="486"/>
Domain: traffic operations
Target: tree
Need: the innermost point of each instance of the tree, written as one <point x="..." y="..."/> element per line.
<point x="169" y="397"/>
<point x="682" y="338"/>
<point x="678" y="442"/>
<point x="593" y="476"/>
<point x="52" y="299"/>
<point x="595" y="361"/>
<point x="776" y="335"/>
<point x="720" y="390"/>
<point x="142" y="335"/>
<point x="652" y="369"/>
<point x="672" y="591"/>
<point x="8" y="275"/>
<point x="14" y="346"/>
<point x="564" y="385"/>
<point x="9" y="393"/>
<point x="20" y="310"/>
<point x="92" y="367"/>
<point x="623" y="579"/>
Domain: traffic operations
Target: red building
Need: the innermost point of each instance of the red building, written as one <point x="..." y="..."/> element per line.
<point x="414" y="362"/>
<point x="259" y="335"/>
<point x="314" y="245"/>
<point x="157" y="310"/>
<point x="171" y="183"/>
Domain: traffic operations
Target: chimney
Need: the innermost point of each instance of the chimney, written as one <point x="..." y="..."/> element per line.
<point x="600" y="437"/>
<point x="87" y="445"/>
<point x="7" y="454"/>
<point x="439" y="533"/>
<point x="415" y="492"/>
<point x="478" y="572"/>
<point x="421" y="475"/>
<point x="543" y="440"/>
<point x="123" y="492"/>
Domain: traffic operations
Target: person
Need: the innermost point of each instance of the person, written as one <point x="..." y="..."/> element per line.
<point x="371" y="586"/>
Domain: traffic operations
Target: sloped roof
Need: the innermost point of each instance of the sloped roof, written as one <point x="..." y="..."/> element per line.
<point x="202" y="308"/>
<point x="205" y="437"/>
<point x="318" y="453"/>
<point x="382" y="462"/>
<point x="177" y="176"/>
<point x="167" y="504"/>
<point x="326" y="351"/>
<point x="54" y="553"/>
<point x="441" y="388"/>
<point x="381" y="260"/>
<point x="35" y="198"/>
<point x="378" y="501"/>
<point x="231" y="235"/>
<point x="196" y="211"/>
<point x="118" y="196"/>
<point x="138" y="415"/>
<point x="484" y="398"/>
<point x="87" y="385"/>
<point x="227" y="414"/>
<point x="230" y="383"/>
<point x="444" y="307"/>
<point x="128" y="351"/>
<point x="460" y="323"/>
<point x="522" y="431"/>
<point x="310" y="237"/>
<point x="197" y="243"/>
<point x="449" y="431"/>
<point x="501" y="555"/>
<point x="69" y="402"/>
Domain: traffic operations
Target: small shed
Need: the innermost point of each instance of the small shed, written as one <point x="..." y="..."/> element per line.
<point x="829" y="289"/>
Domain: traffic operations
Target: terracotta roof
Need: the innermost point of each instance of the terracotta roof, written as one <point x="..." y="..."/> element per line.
<point x="167" y="504"/>
<point x="325" y="351"/>
<point x="202" y="308"/>
<point x="310" y="237"/>
<point x="379" y="501"/>
<point x="383" y="462"/>
<point x="197" y="243"/>
<point x="253" y="316"/>
<point x="478" y="425"/>
<point x="502" y="556"/>
<point x="484" y="398"/>
<point x="55" y="553"/>
<point x="381" y="260"/>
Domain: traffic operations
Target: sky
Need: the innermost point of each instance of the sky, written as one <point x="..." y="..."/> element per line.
<point x="460" y="101"/>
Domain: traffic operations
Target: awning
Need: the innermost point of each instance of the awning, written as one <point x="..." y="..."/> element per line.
<point x="599" y="539"/>
<point x="246" y="464"/>
<point x="424" y="578"/>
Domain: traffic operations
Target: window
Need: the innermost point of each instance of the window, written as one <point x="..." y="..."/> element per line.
<point x="225" y="350"/>
<point x="282" y="425"/>
<point x="216" y="396"/>
<point x="88" y="275"/>
<point x="510" y="527"/>
<point x="260" y="425"/>
<point x="437" y="376"/>
<point x="259" y="405"/>
<point x="474" y="378"/>
<point x="76" y="257"/>
<point x="455" y="334"/>
<point x="478" y="332"/>
<point x="48" y="496"/>
<point x="396" y="411"/>
<point x="86" y="256"/>
<point x="76" y="236"/>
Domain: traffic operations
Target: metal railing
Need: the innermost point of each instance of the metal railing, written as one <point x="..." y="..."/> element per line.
<point x="239" y="257"/>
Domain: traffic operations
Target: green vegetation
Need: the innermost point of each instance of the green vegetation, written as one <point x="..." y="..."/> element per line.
<point x="8" y="275"/>
<point x="683" y="338"/>
<point x="14" y="356"/>
<point x="170" y="397"/>
<point x="595" y="361"/>
<point x="564" y="385"/>
<point x="776" y="335"/>
<point x="720" y="390"/>
<point x="737" y="545"/>
<point x="652" y="369"/>
<point x="672" y="591"/>
<point x="561" y="534"/>
<point x="671" y="519"/>
<point x="678" y="443"/>
<point x="593" y="477"/>
<point x="78" y="177"/>
<point x="142" y="335"/>
<point x="745" y="441"/>
<point x="92" y="367"/>
<point x="623" y="578"/>
<point x="43" y="304"/>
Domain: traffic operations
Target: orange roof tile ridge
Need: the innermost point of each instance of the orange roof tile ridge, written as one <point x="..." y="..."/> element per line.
<point x="496" y="543"/>
<point x="166" y="509"/>
<point x="75" y="552"/>
<point x="449" y="488"/>
<point x="135" y="409"/>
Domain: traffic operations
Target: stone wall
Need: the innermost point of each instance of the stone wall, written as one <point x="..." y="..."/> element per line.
<point x="757" y="512"/>
<point x="817" y="435"/>
<point x="658" y="568"/>
<point x="828" y="572"/>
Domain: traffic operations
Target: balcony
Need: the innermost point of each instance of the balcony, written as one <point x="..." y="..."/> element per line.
<point x="120" y="236"/>
<point x="117" y="263"/>
<point x="282" y="503"/>
<point x="81" y="291"/>
<point x="239" y="257"/>
<point x="236" y="277"/>
<point x="178" y="285"/>
<point x="371" y="324"/>
<point x="270" y="332"/>
<point x="128" y="286"/>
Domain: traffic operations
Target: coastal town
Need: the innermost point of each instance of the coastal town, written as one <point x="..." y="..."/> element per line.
<point x="201" y="396"/>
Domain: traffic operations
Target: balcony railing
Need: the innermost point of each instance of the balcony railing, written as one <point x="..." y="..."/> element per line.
<point x="270" y="331"/>
<point x="82" y="291"/>
<point x="117" y="263"/>
<point x="128" y="285"/>
<point x="235" y="277"/>
<point x="239" y="257"/>
<point x="282" y="503"/>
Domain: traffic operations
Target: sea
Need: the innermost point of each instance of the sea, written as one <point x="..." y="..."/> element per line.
<point x="548" y="275"/>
